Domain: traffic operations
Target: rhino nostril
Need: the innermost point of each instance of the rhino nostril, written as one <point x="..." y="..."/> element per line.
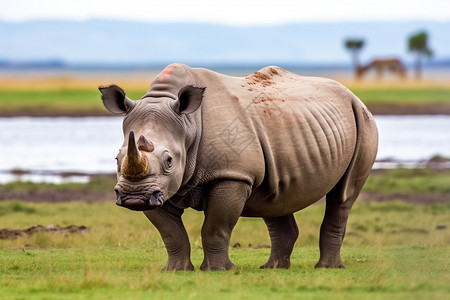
<point x="117" y="194"/>
<point x="155" y="199"/>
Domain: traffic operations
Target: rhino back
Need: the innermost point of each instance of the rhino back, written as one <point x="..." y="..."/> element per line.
<point x="290" y="137"/>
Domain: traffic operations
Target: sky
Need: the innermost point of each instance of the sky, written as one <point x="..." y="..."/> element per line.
<point x="230" y="12"/>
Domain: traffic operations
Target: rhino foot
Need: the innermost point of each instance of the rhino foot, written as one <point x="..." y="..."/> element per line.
<point x="217" y="267"/>
<point x="336" y="264"/>
<point x="188" y="266"/>
<point x="276" y="264"/>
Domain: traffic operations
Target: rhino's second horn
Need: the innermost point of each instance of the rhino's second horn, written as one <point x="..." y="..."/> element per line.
<point x="135" y="165"/>
<point x="144" y="144"/>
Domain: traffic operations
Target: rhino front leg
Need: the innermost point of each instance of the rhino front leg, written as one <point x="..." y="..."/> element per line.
<point x="225" y="203"/>
<point x="283" y="233"/>
<point x="167" y="219"/>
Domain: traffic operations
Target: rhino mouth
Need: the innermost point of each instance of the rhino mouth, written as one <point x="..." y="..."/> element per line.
<point x="140" y="201"/>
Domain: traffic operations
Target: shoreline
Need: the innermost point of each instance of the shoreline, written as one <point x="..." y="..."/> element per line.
<point x="376" y="110"/>
<point x="436" y="163"/>
<point x="63" y="196"/>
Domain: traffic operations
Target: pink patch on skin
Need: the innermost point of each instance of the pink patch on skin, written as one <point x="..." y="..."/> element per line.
<point x="166" y="74"/>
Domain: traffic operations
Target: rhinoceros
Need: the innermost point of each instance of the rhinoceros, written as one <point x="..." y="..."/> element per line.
<point x="264" y="145"/>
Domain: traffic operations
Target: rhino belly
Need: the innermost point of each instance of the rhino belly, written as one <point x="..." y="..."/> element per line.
<point x="305" y="154"/>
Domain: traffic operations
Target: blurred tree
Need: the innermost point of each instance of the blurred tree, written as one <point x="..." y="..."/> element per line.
<point x="354" y="46"/>
<point x="418" y="43"/>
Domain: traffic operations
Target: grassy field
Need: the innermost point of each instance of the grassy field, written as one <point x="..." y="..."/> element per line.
<point x="54" y="102"/>
<point x="413" y="96"/>
<point x="409" y="181"/>
<point x="72" y="96"/>
<point x="392" y="250"/>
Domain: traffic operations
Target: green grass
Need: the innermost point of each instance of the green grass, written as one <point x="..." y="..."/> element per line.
<point x="392" y="250"/>
<point x="409" y="181"/>
<point x="97" y="183"/>
<point x="122" y="274"/>
<point x="56" y="101"/>
<point x="403" y="96"/>
<point x="87" y="99"/>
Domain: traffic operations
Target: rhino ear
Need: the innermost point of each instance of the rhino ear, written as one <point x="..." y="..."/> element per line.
<point x="115" y="100"/>
<point x="189" y="100"/>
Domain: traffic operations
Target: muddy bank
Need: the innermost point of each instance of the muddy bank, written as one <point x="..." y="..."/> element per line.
<point x="11" y="234"/>
<point x="435" y="109"/>
<point x="383" y="185"/>
<point x="55" y="196"/>
<point x="396" y="110"/>
<point x="409" y="198"/>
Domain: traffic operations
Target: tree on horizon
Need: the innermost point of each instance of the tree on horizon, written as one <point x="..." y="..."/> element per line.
<point x="418" y="43"/>
<point x="354" y="46"/>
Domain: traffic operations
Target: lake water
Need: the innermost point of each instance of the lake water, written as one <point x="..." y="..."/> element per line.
<point x="49" y="146"/>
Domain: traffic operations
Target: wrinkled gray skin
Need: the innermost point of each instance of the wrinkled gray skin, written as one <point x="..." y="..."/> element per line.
<point x="264" y="145"/>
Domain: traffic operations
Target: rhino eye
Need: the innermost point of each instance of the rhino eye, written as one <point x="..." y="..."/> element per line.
<point x="168" y="160"/>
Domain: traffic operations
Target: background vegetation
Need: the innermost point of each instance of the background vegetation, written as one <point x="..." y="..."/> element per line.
<point x="75" y="97"/>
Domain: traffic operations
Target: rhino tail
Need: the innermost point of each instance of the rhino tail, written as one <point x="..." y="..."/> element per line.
<point x="351" y="183"/>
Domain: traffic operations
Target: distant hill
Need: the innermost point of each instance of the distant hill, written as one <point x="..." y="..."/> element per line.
<point x="103" y="42"/>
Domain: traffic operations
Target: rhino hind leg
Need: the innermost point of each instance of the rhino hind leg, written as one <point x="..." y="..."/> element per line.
<point x="283" y="233"/>
<point x="339" y="202"/>
<point x="332" y="232"/>
<point x="340" y="199"/>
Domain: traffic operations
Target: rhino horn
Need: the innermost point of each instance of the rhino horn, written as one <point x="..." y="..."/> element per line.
<point x="144" y="144"/>
<point x="135" y="165"/>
